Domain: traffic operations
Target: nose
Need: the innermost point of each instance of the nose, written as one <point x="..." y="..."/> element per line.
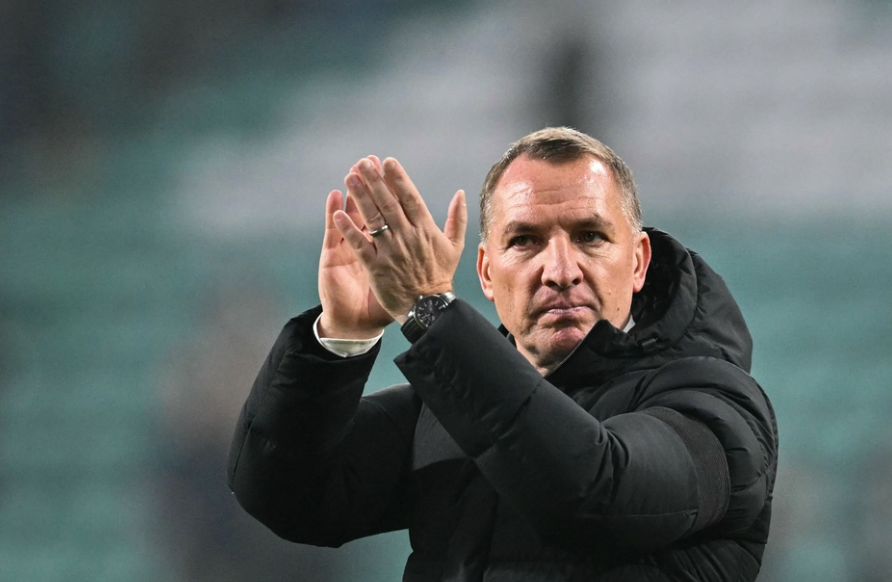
<point x="560" y="269"/>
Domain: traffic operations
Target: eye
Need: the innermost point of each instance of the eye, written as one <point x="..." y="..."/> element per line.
<point x="521" y="240"/>
<point x="590" y="236"/>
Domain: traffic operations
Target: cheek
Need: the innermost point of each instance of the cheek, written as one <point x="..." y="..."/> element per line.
<point x="510" y="300"/>
<point x="504" y="294"/>
<point x="608" y="280"/>
<point x="618" y="289"/>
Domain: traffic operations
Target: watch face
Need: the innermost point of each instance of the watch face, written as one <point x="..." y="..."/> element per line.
<point x="428" y="309"/>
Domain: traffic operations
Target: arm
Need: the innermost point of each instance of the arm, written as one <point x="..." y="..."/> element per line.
<point x="311" y="459"/>
<point x="635" y="480"/>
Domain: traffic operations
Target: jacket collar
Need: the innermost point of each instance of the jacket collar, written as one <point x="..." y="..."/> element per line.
<point x="684" y="309"/>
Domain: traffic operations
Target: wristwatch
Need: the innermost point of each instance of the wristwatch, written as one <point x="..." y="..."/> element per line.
<point x="426" y="311"/>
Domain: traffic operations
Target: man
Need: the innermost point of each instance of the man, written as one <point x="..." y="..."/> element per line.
<point x="615" y="434"/>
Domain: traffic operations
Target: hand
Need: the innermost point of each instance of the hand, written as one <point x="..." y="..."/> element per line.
<point x="413" y="257"/>
<point x="349" y="307"/>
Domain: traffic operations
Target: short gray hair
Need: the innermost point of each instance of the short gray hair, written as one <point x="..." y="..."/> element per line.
<point x="559" y="145"/>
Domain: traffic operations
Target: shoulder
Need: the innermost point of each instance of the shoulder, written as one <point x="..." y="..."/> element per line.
<point x="695" y="378"/>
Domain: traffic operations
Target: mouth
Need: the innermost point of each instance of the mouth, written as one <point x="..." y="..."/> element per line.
<point x="562" y="311"/>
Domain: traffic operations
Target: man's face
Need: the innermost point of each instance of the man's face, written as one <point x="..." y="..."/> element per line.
<point x="560" y="255"/>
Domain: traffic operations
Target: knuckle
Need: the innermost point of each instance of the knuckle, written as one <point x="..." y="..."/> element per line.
<point x="389" y="206"/>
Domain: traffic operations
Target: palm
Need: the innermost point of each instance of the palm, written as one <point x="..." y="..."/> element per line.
<point x="345" y="288"/>
<point x="344" y="285"/>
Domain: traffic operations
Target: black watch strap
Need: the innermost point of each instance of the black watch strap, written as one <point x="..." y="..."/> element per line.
<point x="412" y="330"/>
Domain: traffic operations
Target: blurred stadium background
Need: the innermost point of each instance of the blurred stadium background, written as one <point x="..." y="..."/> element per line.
<point x="163" y="169"/>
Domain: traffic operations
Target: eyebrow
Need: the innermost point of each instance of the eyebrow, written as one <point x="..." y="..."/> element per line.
<point x="592" y="223"/>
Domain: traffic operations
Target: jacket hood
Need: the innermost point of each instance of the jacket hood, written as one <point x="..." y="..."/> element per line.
<point x="684" y="310"/>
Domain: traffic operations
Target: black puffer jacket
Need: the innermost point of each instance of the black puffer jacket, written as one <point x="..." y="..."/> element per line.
<point x="645" y="456"/>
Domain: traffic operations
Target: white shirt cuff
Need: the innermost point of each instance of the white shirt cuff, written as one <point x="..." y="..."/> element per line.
<point x="345" y="347"/>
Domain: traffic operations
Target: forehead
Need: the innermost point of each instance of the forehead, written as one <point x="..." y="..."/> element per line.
<point x="532" y="187"/>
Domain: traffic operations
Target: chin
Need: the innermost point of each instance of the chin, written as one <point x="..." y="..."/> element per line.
<point x="565" y="340"/>
<point x="550" y="345"/>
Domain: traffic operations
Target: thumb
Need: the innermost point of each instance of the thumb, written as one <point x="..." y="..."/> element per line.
<point x="333" y="203"/>
<point x="457" y="220"/>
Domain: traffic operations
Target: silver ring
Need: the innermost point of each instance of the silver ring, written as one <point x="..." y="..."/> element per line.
<point x="379" y="231"/>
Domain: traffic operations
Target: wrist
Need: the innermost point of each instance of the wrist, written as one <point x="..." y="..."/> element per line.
<point x="401" y="315"/>
<point x="426" y="311"/>
<point x="327" y="329"/>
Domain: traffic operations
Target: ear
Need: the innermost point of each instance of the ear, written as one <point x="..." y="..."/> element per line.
<point x="483" y="271"/>
<point x="641" y="257"/>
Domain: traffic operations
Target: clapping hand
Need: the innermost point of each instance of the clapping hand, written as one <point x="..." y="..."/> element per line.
<point x="366" y="281"/>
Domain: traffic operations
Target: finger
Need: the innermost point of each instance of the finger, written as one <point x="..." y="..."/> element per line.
<point x="365" y="250"/>
<point x="374" y="159"/>
<point x="356" y="216"/>
<point x="353" y="212"/>
<point x="407" y="194"/>
<point x="380" y="192"/>
<point x="358" y="192"/>
<point x="377" y="162"/>
<point x="333" y="203"/>
<point x="457" y="220"/>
